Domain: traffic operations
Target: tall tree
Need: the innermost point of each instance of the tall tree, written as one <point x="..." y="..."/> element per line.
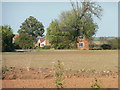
<point x="86" y="26"/>
<point x="32" y="27"/>
<point x="29" y="30"/>
<point x="7" y="36"/>
<point x="77" y="22"/>
<point x="84" y="13"/>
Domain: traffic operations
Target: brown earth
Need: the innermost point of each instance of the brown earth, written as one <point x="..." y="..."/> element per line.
<point x="23" y="70"/>
<point x="44" y="78"/>
<point x="73" y="82"/>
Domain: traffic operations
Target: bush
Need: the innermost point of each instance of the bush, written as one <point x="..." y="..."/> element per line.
<point x="16" y="46"/>
<point x="106" y="46"/>
<point x="95" y="47"/>
<point x="61" y="46"/>
<point x="25" y="41"/>
<point x="46" y="47"/>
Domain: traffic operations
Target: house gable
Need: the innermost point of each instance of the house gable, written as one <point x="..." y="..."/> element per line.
<point x="83" y="43"/>
<point x="14" y="38"/>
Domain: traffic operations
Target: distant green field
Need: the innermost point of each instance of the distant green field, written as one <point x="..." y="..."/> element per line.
<point x="108" y="38"/>
<point x="74" y="59"/>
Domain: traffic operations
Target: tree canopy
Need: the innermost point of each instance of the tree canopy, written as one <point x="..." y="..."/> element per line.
<point x="73" y="23"/>
<point x="84" y="13"/>
<point x="58" y="38"/>
<point x="7" y="36"/>
<point x="24" y="41"/>
<point x="32" y="27"/>
<point x="29" y="30"/>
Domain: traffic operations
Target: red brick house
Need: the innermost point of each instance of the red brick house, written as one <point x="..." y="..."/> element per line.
<point x="83" y="43"/>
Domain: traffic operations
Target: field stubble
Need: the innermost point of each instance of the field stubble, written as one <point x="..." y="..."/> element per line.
<point x="81" y="67"/>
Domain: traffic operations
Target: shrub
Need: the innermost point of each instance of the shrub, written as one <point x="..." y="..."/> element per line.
<point x="16" y="46"/>
<point x="66" y="45"/>
<point x="46" y="47"/>
<point x="61" y="46"/>
<point x="25" y="41"/>
<point x="106" y="46"/>
<point x="95" y="47"/>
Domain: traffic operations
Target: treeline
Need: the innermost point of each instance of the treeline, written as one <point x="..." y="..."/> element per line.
<point x="107" y="43"/>
<point x="28" y="32"/>
<point x="62" y="33"/>
<point x="6" y="38"/>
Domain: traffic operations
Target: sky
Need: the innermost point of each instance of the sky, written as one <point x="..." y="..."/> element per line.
<point x="14" y="13"/>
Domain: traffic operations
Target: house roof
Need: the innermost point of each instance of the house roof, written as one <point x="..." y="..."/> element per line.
<point x="38" y="37"/>
<point x="16" y="36"/>
<point x="42" y="39"/>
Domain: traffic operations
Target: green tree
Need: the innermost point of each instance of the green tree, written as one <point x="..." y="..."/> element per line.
<point x="76" y="22"/>
<point x="29" y="30"/>
<point x="84" y="13"/>
<point x="58" y="38"/>
<point x="25" y="41"/>
<point x="7" y="36"/>
<point x="32" y="27"/>
<point x="85" y="27"/>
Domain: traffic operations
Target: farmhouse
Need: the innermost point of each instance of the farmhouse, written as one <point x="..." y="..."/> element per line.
<point x="41" y="42"/>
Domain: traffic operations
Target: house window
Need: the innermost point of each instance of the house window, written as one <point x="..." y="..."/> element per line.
<point x="81" y="44"/>
<point x="81" y="38"/>
<point x="42" y="45"/>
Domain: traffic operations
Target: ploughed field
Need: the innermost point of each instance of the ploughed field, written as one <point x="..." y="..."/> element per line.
<point x="81" y="67"/>
<point x="74" y="59"/>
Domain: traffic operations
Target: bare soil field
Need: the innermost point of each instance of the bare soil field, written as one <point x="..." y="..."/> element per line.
<point x="45" y="78"/>
<point x="72" y="59"/>
<point x="35" y="69"/>
<point x="69" y="83"/>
